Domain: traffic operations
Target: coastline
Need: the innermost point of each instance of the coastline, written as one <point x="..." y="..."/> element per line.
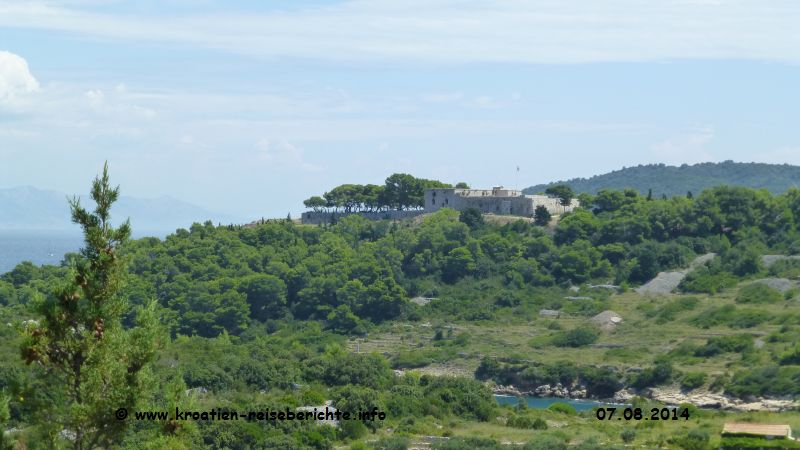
<point x="668" y="396"/>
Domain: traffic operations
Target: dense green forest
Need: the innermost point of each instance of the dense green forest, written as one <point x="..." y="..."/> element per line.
<point x="248" y="318"/>
<point x="661" y="179"/>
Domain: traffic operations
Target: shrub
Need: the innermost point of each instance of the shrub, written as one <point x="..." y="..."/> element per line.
<point x="411" y="359"/>
<point x="600" y="381"/>
<point x="735" y="343"/>
<point x="660" y="373"/>
<point x="792" y="357"/>
<point x="703" y="280"/>
<point x="766" y="381"/>
<point x="391" y="443"/>
<point x="546" y="443"/>
<point x="563" y="408"/>
<point x="742" y="261"/>
<point x="694" y="440"/>
<point x="667" y="312"/>
<point x="468" y="443"/>
<point x="748" y="318"/>
<point x="577" y="337"/>
<point x="693" y="380"/>
<point x="527" y="423"/>
<point x="729" y="315"/>
<point x="628" y="435"/>
<point x="787" y="268"/>
<point x="758" y="293"/>
<point x="352" y="429"/>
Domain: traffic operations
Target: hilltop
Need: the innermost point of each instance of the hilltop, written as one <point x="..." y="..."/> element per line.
<point x="677" y="180"/>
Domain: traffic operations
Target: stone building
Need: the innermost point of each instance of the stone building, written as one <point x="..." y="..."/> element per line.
<point x="497" y="200"/>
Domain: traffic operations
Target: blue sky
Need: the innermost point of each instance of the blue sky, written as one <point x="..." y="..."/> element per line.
<point x="248" y="109"/>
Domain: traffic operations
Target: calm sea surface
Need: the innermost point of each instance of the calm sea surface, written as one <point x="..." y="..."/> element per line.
<point x="39" y="247"/>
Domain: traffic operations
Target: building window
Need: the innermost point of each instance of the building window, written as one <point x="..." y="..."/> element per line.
<point x="433" y="201"/>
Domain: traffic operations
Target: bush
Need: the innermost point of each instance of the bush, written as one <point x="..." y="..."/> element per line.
<point x="563" y="408"/>
<point x="661" y="373"/>
<point x="723" y="344"/>
<point x="703" y="280"/>
<point x="391" y="443"/>
<point x="667" y="312"/>
<point x="777" y="381"/>
<point x="600" y="381"/>
<point x="787" y="268"/>
<point x="742" y="261"/>
<point x="577" y="337"/>
<point x="468" y="443"/>
<point x="352" y="429"/>
<point x="546" y="442"/>
<point x="695" y="440"/>
<point x="729" y="315"/>
<point x="758" y="293"/>
<point x="527" y="423"/>
<point x="693" y="380"/>
<point x="411" y="359"/>
<point x="791" y="357"/>
<point x="628" y="435"/>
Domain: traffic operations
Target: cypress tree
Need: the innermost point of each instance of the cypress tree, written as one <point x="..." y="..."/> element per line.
<point x="93" y="367"/>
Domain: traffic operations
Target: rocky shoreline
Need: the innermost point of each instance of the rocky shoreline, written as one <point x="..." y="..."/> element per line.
<point x="545" y="390"/>
<point x="669" y="396"/>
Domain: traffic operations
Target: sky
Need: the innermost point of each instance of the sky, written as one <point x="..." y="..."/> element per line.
<point x="247" y="108"/>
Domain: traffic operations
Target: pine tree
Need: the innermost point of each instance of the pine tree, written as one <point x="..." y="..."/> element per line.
<point x="87" y="358"/>
<point x="541" y="216"/>
<point x="649" y="194"/>
<point x="689" y="195"/>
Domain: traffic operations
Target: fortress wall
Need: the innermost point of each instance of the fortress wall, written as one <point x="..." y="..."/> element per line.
<point x="483" y="200"/>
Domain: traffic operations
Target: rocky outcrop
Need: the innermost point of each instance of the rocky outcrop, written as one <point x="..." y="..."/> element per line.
<point x="607" y="320"/>
<point x="545" y="390"/>
<point x="668" y="396"/>
<point x="508" y="390"/>
<point x="666" y="282"/>
<point x="718" y="401"/>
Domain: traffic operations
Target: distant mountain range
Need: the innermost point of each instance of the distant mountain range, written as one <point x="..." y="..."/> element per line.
<point x="29" y="208"/>
<point x="677" y="180"/>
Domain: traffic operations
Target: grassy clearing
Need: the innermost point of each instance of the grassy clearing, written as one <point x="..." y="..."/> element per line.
<point x="653" y="326"/>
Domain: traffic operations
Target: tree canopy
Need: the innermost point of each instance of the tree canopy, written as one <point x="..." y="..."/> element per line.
<point x="400" y="191"/>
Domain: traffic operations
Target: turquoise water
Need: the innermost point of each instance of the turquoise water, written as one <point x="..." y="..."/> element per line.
<point x="544" y="402"/>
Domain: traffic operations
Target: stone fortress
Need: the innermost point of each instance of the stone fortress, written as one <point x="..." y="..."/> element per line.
<point x="497" y="200"/>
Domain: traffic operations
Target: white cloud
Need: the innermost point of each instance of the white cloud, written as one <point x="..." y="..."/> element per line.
<point x="685" y="148"/>
<point x="781" y="155"/>
<point x="15" y="77"/>
<point x="283" y="153"/>
<point x="448" y="31"/>
<point x="95" y="97"/>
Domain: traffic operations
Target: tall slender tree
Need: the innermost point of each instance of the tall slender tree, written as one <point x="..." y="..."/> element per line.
<point x="89" y="360"/>
<point x="541" y="216"/>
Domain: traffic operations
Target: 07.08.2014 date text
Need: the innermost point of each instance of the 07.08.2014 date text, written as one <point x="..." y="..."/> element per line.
<point x="638" y="414"/>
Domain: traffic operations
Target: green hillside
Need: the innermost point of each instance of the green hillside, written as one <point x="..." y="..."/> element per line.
<point x="677" y="180"/>
<point x="421" y="320"/>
